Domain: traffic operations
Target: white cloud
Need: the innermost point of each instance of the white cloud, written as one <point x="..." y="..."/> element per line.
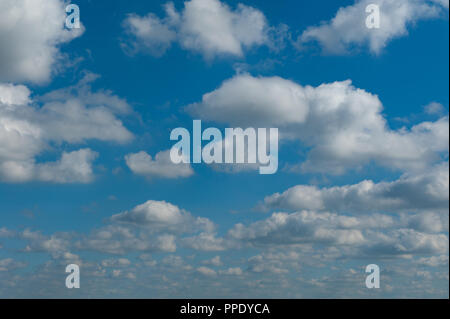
<point x="166" y="243"/>
<point x="434" y="261"/>
<point x="83" y="91"/>
<point x="343" y="125"/>
<point x="259" y="101"/>
<point x="56" y="244"/>
<point x="234" y="271"/>
<point x="206" y="271"/>
<point x="72" y="167"/>
<point x="154" y="226"/>
<point x="119" y="239"/>
<point x="14" y="94"/>
<point x="119" y="262"/>
<point x="405" y="242"/>
<point x="427" y="222"/>
<point x="151" y="35"/>
<point x="29" y="126"/>
<point x="377" y="235"/>
<point x="287" y="244"/>
<point x="31" y="33"/>
<point x="163" y="216"/>
<point x="212" y="28"/>
<point x="216" y="261"/>
<point x="300" y="227"/>
<point x="434" y="108"/>
<point x="229" y="146"/>
<point x="428" y="190"/>
<point x="209" y="27"/>
<point x="161" y="166"/>
<point x="274" y="262"/>
<point x="206" y="241"/>
<point x="74" y="121"/>
<point x="9" y="264"/>
<point x="348" y="28"/>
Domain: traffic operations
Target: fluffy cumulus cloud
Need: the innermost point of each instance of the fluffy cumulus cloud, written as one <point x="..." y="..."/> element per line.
<point x="149" y="33"/>
<point x="205" y="271"/>
<point x="404" y="242"/>
<point x="161" y="166"/>
<point x="286" y="244"/>
<point x="377" y="236"/>
<point x="424" y="191"/>
<point x="312" y="236"/>
<point x="348" y="28"/>
<point x="300" y="227"/>
<point x="207" y="241"/>
<point x="209" y="27"/>
<point x="72" y="167"/>
<point x="29" y="126"/>
<point x="56" y="244"/>
<point x="156" y="215"/>
<point x="434" y="261"/>
<point x="154" y="226"/>
<point x="111" y="239"/>
<point x="31" y="33"/>
<point x="119" y="239"/>
<point x="342" y="125"/>
<point x="259" y="101"/>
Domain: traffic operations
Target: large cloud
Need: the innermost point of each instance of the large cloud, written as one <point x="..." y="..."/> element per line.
<point x="300" y="245"/>
<point x="425" y="191"/>
<point x="73" y="115"/>
<point x="342" y="124"/>
<point x="152" y="226"/>
<point x="301" y="227"/>
<point x="378" y="235"/>
<point x="31" y="33"/>
<point x="209" y="27"/>
<point x="72" y="167"/>
<point x="348" y="28"/>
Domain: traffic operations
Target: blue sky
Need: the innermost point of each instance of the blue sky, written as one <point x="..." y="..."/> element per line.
<point x="362" y="179"/>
